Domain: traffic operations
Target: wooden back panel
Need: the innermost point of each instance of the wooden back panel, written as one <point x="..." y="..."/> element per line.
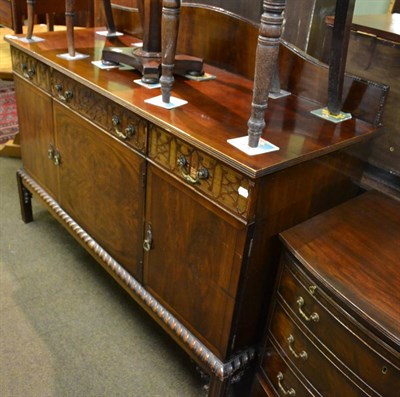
<point x="306" y="77"/>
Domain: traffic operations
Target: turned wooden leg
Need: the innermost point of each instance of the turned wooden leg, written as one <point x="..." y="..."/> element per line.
<point x="109" y="17"/>
<point x="69" y="22"/>
<point x="25" y="201"/>
<point x="337" y="61"/>
<point x="30" y="4"/>
<point x="266" y="58"/>
<point x="50" y="21"/>
<point x="169" y="37"/>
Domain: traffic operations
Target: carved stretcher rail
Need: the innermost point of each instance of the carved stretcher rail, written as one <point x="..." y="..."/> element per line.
<point x="222" y="370"/>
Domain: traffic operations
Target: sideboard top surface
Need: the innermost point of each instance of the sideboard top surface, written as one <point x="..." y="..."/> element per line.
<point x="217" y="110"/>
<point x="354" y="250"/>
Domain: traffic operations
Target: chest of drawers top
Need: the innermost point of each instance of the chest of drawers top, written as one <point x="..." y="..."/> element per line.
<point x="217" y="110"/>
<point x="353" y="251"/>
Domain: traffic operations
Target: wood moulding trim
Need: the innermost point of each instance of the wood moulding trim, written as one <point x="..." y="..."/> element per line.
<point x="223" y="370"/>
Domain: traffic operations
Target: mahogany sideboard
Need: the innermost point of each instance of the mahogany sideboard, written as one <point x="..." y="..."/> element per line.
<point x="186" y="223"/>
<point x="335" y="325"/>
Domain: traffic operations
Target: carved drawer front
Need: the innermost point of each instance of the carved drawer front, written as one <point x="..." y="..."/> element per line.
<point x="345" y="338"/>
<point x="222" y="184"/>
<point x="321" y="372"/>
<point x="281" y="376"/>
<point x="31" y="69"/>
<point x="120" y="122"/>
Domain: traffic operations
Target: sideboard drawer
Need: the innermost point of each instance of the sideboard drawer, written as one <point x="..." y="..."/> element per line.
<point x="31" y="69"/>
<point x="227" y="187"/>
<point x="333" y="329"/>
<point x="114" y="118"/>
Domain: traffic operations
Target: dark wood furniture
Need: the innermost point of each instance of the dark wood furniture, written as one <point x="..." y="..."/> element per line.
<point x="6" y="13"/>
<point x="334" y="328"/>
<point x="185" y="222"/>
<point x="14" y="12"/>
<point x="374" y="54"/>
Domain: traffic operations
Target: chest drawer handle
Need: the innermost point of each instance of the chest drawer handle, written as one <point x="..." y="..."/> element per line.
<point x="50" y="151"/>
<point x="303" y="354"/>
<point x="147" y="243"/>
<point x="67" y="94"/>
<point x="312" y="317"/>
<point x="57" y="158"/>
<point x="202" y="173"/>
<point x="28" y="72"/>
<point x="285" y="391"/>
<point x="125" y="134"/>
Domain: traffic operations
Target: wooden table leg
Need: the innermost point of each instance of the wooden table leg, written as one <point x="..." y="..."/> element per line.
<point x="69" y="22"/>
<point x="337" y="61"/>
<point x="25" y="200"/>
<point x="169" y="37"/>
<point x="30" y="5"/>
<point x="266" y="58"/>
<point x="109" y="17"/>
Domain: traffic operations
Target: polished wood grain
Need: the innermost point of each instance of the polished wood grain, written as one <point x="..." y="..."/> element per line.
<point x="83" y="152"/>
<point x="386" y="26"/>
<point x="367" y="230"/>
<point x="295" y="343"/>
<point x="201" y="283"/>
<point x="114" y="118"/>
<point x="377" y="59"/>
<point x="35" y="119"/>
<point x="343" y="337"/>
<point x="208" y="254"/>
<point x="334" y="320"/>
<point x="212" y="106"/>
<point x="221" y="183"/>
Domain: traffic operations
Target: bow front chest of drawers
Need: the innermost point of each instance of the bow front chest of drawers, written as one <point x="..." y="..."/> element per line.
<point x="335" y="324"/>
<point x="186" y="223"/>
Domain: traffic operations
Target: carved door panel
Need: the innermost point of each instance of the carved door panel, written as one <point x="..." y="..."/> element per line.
<point x="194" y="260"/>
<point x="36" y="133"/>
<point x="101" y="187"/>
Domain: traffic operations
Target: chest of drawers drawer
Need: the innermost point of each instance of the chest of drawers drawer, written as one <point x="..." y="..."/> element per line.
<point x="323" y="372"/>
<point x="282" y="376"/>
<point x="342" y="337"/>
<point x="107" y="114"/>
<point x="225" y="186"/>
<point x="31" y="69"/>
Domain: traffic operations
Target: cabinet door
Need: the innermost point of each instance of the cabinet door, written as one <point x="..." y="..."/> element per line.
<point x="36" y="131"/>
<point x="101" y="187"/>
<point x="195" y="259"/>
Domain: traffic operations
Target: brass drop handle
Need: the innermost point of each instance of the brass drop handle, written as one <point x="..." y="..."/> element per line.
<point x="284" y="390"/>
<point x="57" y="158"/>
<point x="50" y="151"/>
<point x="63" y="97"/>
<point x="312" y="317"/>
<point x="202" y="173"/>
<point x="147" y="243"/>
<point x="28" y="72"/>
<point x="303" y="354"/>
<point x="126" y="133"/>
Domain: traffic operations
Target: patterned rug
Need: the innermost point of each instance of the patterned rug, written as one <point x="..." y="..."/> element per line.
<point x="8" y="112"/>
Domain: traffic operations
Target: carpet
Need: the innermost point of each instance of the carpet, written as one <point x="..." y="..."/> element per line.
<point x="8" y="112"/>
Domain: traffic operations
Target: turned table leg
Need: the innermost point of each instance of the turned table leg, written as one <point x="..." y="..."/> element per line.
<point x="169" y="37"/>
<point x="266" y="58"/>
<point x="25" y="201"/>
<point x="30" y="4"/>
<point x="69" y="22"/>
